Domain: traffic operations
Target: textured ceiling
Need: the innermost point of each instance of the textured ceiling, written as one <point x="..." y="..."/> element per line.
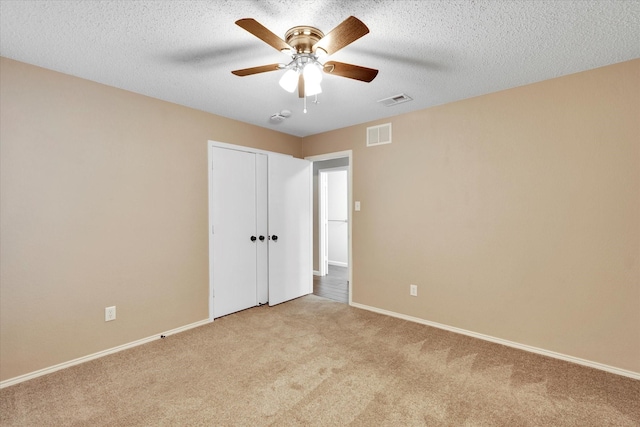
<point x="434" y="51"/>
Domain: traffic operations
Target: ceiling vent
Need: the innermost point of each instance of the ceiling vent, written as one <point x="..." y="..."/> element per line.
<point x="395" y="100"/>
<point x="378" y="135"/>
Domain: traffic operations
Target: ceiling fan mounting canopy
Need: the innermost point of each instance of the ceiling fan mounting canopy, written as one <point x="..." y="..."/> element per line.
<point x="306" y="45"/>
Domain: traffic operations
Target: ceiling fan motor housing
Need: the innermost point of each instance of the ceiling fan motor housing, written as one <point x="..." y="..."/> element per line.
<point x="302" y="38"/>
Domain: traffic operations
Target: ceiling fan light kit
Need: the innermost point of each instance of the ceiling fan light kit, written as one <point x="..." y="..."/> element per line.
<point x="309" y="67"/>
<point x="307" y="46"/>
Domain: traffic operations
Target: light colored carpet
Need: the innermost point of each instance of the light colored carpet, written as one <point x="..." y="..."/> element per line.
<point x="315" y="362"/>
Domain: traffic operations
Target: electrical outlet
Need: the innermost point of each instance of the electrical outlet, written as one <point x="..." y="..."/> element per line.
<point x="413" y="290"/>
<point x="110" y="313"/>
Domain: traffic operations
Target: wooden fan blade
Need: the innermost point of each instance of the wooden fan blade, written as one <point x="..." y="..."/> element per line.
<point x="263" y="33"/>
<point x="301" y="86"/>
<point x="256" y="70"/>
<point x="350" y="71"/>
<point x="350" y="30"/>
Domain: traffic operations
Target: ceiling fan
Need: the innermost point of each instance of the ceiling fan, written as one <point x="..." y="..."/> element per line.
<point x="308" y="46"/>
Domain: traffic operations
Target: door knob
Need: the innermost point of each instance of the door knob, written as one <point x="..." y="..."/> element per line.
<point x="261" y="238"/>
<point x="274" y="238"/>
<point x="253" y="238"/>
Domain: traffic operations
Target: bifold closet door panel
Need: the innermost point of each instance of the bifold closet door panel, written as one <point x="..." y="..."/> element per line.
<point x="262" y="223"/>
<point x="234" y="225"/>
<point x="290" y="259"/>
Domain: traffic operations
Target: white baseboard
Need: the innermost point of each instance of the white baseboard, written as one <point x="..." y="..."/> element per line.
<point x="51" y="369"/>
<point x="338" y="263"/>
<point x="595" y="365"/>
<point x="316" y="273"/>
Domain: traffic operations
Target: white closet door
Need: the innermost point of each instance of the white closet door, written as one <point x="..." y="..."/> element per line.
<point x="262" y="196"/>
<point x="234" y="223"/>
<point x="290" y="259"/>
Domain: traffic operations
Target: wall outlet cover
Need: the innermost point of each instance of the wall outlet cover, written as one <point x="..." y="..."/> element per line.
<point x="110" y="313"/>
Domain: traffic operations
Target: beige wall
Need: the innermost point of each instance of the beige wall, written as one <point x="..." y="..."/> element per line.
<point x="517" y="214"/>
<point x="103" y="202"/>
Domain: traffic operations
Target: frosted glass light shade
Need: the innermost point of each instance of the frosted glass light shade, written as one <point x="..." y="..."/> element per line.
<point x="289" y="80"/>
<point x="312" y="74"/>
<point x="312" y="78"/>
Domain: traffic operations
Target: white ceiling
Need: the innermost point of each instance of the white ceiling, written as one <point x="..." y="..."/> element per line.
<point x="434" y="51"/>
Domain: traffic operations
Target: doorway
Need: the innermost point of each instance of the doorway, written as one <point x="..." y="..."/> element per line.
<point x="332" y="201"/>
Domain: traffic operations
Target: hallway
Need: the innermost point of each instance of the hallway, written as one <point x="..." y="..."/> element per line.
<point x="334" y="286"/>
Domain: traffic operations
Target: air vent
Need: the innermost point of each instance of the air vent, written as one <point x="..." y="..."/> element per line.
<point x="395" y="100"/>
<point x="379" y="135"/>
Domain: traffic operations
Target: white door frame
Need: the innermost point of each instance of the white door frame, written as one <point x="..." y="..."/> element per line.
<point x="338" y="155"/>
<point x="323" y="233"/>
<point x="322" y="224"/>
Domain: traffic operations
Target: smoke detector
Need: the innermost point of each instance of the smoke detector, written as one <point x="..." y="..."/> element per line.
<point x="279" y="117"/>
